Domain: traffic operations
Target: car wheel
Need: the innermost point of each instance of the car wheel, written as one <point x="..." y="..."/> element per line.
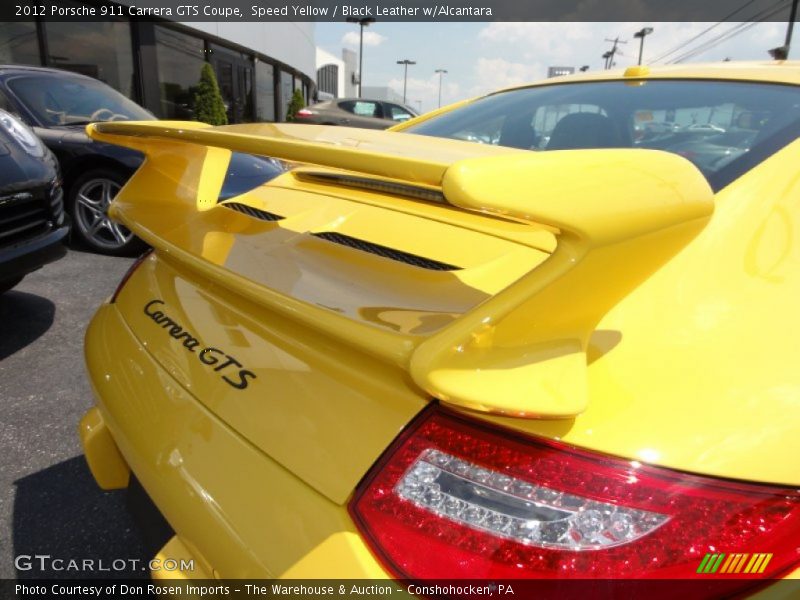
<point x="89" y="199"/>
<point x="7" y="284"/>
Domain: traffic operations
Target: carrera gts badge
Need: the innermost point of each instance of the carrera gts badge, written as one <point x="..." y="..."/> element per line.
<point x="222" y="363"/>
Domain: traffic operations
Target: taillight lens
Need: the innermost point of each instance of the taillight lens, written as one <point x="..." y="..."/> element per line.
<point x="304" y="112"/>
<point x="128" y="274"/>
<point x="457" y="498"/>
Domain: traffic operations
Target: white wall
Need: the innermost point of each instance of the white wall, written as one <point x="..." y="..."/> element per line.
<point x="287" y="41"/>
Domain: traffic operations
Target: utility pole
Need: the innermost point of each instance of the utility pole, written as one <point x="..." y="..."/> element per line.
<point x="440" y="72"/>
<point x="641" y="34"/>
<point x="609" y="56"/>
<point x="365" y="22"/>
<point x="782" y="52"/>
<point x="405" y="62"/>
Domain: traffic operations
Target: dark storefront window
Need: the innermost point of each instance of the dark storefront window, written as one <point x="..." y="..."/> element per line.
<point x="180" y="58"/>
<point x="99" y="49"/>
<point x="235" y="77"/>
<point x="286" y="93"/>
<point x="328" y="79"/>
<point x="265" y="92"/>
<point x="19" y="44"/>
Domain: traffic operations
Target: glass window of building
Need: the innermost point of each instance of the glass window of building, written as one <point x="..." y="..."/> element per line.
<point x="235" y="77"/>
<point x="19" y="44"/>
<point x="286" y="94"/>
<point x="180" y="58"/>
<point x="100" y="49"/>
<point x="265" y="92"/>
<point x="328" y="79"/>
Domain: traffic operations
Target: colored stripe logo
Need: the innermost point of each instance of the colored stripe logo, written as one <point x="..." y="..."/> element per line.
<point x="736" y="563"/>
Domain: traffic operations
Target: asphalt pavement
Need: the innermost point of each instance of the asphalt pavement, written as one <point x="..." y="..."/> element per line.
<point x="49" y="503"/>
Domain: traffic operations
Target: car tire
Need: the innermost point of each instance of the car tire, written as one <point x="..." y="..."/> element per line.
<point x="88" y="201"/>
<point x="7" y="284"/>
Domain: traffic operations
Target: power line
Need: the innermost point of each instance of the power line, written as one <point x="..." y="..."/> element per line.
<point x="733" y="31"/>
<point x="702" y="33"/>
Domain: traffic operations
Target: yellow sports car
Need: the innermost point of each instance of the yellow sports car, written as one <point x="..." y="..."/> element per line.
<point x="546" y="333"/>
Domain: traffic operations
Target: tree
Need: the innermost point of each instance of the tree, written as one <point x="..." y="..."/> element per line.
<point x="295" y="105"/>
<point x="208" y="105"/>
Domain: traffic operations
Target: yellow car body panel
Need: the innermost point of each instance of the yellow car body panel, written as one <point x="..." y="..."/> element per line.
<point x="669" y="364"/>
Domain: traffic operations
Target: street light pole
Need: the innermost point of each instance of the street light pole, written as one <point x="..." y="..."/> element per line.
<point x="641" y="34"/>
<point x="440" y="72"/>
<point x="365" y="22"/>
<point x="405" y="62"/>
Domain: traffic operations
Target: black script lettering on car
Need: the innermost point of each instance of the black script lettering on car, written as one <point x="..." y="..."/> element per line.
<point x="235" y="374"/>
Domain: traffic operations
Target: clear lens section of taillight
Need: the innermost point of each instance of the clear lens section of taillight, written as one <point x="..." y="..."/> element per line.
<point x="513" y="508"/>
<point x="456" y="497"/>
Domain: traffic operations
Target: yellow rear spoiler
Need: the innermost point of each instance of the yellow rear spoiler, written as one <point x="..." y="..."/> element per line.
<point x="619" y="213"/>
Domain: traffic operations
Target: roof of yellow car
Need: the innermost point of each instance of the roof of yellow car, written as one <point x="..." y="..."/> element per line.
<point x="785" y="71"/>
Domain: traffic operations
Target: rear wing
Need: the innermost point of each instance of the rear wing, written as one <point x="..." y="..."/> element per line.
<point x="618" y="215"/>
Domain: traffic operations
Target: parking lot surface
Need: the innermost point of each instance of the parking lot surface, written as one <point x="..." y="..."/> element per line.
<point x="49" y="503"/>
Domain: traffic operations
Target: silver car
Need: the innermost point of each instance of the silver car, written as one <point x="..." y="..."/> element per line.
<point x="356" y="112"/>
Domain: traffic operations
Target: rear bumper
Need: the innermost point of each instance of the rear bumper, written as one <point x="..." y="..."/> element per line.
<point x="30" y="255"/>
<point x="235" y="511"/>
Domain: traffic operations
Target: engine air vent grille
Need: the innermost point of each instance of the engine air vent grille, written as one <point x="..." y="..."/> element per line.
<point x="386" y="252"/>
<point x="256" y="213"/>
<point x="417" y="192"/>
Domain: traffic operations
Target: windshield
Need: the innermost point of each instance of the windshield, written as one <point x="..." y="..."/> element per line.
<point x="724" y="128"/>
<point x="74" y="101"/>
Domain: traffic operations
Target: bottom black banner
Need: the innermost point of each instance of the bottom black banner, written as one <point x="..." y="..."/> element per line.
<point x="312" y="589"/>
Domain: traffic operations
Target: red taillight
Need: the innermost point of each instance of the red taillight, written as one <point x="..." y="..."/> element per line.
<point x="128" y="274"/>
<point x="304" y="112"/>
<point x="457" y="498"/>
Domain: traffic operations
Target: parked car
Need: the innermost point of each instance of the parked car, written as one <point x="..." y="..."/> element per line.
<point x="58" y="105"/>
<point x="32" y="227"/>
<point x="416" y="356"/>
<point x="356" y="112"/>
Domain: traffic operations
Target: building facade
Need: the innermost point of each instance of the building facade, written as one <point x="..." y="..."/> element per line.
<point x="157" y="64"/>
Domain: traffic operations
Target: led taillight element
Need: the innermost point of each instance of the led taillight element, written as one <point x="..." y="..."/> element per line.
<point x="513" y="508"/>
<point x="459" y="498"/>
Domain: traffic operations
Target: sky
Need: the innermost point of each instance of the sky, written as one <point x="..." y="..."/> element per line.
<point x="481" y="57"/>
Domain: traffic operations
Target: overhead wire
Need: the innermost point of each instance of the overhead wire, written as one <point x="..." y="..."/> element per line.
<point x="734" y="31"/>
<point x="694" y="38"/>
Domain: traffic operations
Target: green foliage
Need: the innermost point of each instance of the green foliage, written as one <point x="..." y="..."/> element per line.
<point x="208" y="105"/>
<point x="295" y="105"/>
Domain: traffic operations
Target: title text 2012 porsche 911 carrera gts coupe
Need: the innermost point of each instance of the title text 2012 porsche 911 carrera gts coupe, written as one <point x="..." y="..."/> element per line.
<point x="566" y="352"/>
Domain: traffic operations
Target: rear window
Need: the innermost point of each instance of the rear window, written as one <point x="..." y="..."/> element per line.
<point x="724" y="128"/>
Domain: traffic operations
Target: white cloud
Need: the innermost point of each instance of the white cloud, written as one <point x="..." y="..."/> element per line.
<point x="495" y="73"/>
<point x="351" y="39"/>
<point x="576" y="44"/>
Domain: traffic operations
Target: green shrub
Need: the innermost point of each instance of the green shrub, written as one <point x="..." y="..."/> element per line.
<point x="295" y="105"/>
<point x="208" y="105"/>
